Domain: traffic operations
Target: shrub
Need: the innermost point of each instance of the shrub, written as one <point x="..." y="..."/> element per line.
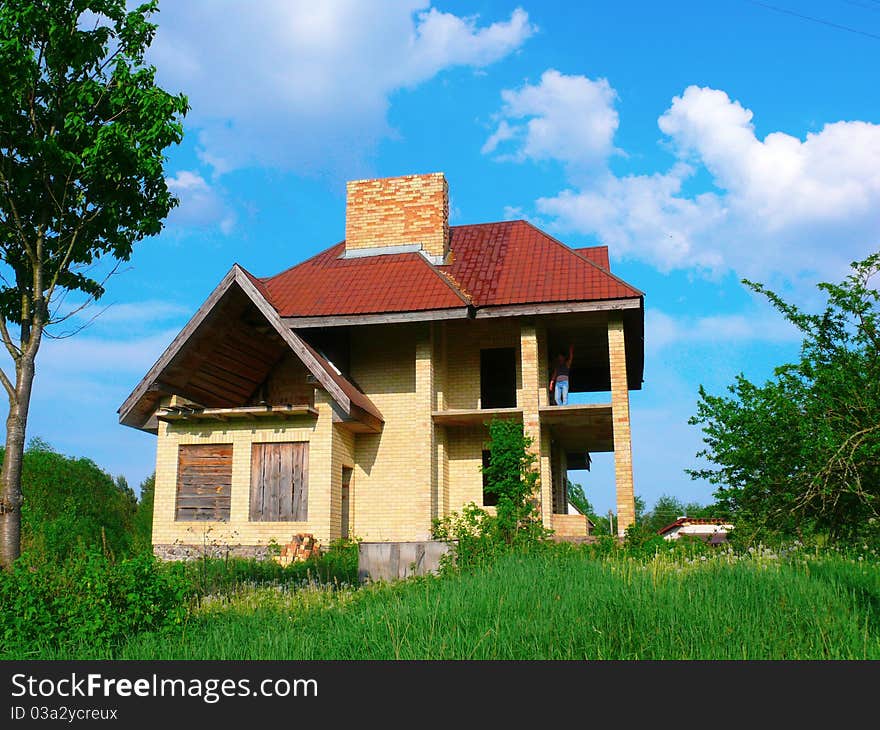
<point x="511" y="475"/>
<point x="71" y="504"/>
<point x="87" y="599"/>
<point x="221" y="576"/>
<point x="142" y="522"/>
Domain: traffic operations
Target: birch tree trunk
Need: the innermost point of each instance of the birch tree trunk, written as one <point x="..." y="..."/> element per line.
<point x="10" y="476"/>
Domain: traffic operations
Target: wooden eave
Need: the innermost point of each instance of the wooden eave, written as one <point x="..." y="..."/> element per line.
<point x="225" y="380"/>
<point x="176" y="414"/>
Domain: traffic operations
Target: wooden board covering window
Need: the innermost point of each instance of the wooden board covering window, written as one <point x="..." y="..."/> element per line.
<point x="204" y="482"/>
<point x="280" y="482"/>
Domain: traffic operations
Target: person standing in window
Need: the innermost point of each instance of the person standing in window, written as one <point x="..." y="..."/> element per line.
<point x="559" y="379"/>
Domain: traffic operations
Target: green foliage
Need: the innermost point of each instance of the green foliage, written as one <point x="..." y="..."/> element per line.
<point x="87" y="600"/>
<point x="83" y="134"/>
<point x="475" y="534"/>
<point x="562" y="602"/>
<point x="667" y="509"/>
<point x="512" y="476"/>
<point x="800" y="454"/>
<point x="578" y="498"/>
<point x="70" y="504"/>
<point x="83" y="129"/>
<point x="142" y="522"/>
<point x="338" y="565"/>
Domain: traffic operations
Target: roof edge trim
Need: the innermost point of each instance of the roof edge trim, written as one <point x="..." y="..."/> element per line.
<point x="516" y="310"/>
<point x="340" y="320"/>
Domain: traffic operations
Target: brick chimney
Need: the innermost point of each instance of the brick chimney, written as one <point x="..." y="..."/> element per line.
<point x="398" y="213"/>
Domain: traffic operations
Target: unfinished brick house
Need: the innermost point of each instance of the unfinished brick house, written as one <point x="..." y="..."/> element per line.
<point x="348" y="395"/>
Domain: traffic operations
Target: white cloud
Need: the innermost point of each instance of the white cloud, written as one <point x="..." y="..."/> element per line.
<point x="92" y="356"/>
<point x="780" y="206"/>
<point x="134" y="314"/>
<point x="567" y="118"/>
<point x="201" y="205"/>
<point x="663" y="330"/>
<point x="302" y="85"/>
<point x="832" y="175"/>
<point x="643" y="216"/>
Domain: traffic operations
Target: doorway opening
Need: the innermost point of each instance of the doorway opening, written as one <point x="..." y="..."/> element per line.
<point x="346" y="502"/>
<point x="498" y="377"/>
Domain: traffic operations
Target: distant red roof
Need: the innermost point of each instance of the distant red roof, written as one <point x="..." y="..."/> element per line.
<point x="492" y="264"/>
<point x="685" y="521"/>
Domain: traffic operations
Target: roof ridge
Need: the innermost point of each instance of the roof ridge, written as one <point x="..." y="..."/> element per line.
<point x="490" y="223"/>
<point x="450" y="282"/>
<point x="304" y="261"/>
<point x="574" y="252"/>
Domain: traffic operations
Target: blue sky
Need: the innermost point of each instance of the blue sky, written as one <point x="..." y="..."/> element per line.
<point x="702" y="142"/>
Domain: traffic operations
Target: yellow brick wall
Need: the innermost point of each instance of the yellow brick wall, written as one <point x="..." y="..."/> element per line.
<point x="238" y="530"/>
<point x="393" y="471"/>
<point x="411" y="472"/>
<point x="464" y="340"/>
<point x="343" y="455"/>
<point x="465" y="459"/>
<point x="623" y="473"/>
<point x="531" y="347"/>
<point x="398" y="210"/>
<point x="287" y="383"/>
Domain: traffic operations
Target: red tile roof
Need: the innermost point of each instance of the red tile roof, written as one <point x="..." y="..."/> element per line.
<point x="329" y="285"/>
<point x="511" y="262"/>
<point x="515" y="263"/>
<point x="597" y="254"/>
<point x="687" y="521"/>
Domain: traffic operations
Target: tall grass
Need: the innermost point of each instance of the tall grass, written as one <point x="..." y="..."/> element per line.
<point x="563" y="604"/>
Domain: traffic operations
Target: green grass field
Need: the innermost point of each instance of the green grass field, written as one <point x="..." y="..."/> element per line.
<point x="557" y="605"/>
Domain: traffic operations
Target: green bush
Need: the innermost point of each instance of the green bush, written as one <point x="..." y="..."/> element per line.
<point x="87" y="600"/>
<point x="219" y="576"/>
<point x="71" y="504"/>
<point x="511" y="475"/>
<point x="142" y="521"/>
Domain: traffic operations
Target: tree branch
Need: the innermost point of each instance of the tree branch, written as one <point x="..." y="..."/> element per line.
<point x="13" y="351"/>
<point x="8" y="386"/>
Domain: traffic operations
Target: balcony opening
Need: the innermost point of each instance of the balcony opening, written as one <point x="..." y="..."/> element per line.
<point x="498" y="378"/>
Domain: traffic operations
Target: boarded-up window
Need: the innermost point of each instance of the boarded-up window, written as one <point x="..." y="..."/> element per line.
<point x="204" y="482"/>
<point x="280" y="482"/>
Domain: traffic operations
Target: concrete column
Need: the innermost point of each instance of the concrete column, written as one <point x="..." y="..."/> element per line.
<point x="623" y="473"/>
<point x="530" y="369"/>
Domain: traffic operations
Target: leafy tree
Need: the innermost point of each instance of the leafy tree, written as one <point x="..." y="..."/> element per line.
<point x="640" y="508"/>
<point x="578" y="498"/>
<point x="72" y="504"/>
<point x="513" y="477"/>
<point x="666" y="509"/>
<point x="801" y="453"/>
<point x="142" y="524"/>
<point x="83" y="129"/>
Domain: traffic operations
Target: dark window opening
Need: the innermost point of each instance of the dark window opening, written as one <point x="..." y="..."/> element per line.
<point x="490" y="497"/>
<point x="498" y="378"/>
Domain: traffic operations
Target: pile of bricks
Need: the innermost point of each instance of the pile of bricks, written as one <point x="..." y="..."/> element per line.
<point x="302" y="547"/>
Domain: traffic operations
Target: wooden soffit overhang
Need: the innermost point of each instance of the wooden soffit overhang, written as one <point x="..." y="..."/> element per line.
<point x="228" y="348"/>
